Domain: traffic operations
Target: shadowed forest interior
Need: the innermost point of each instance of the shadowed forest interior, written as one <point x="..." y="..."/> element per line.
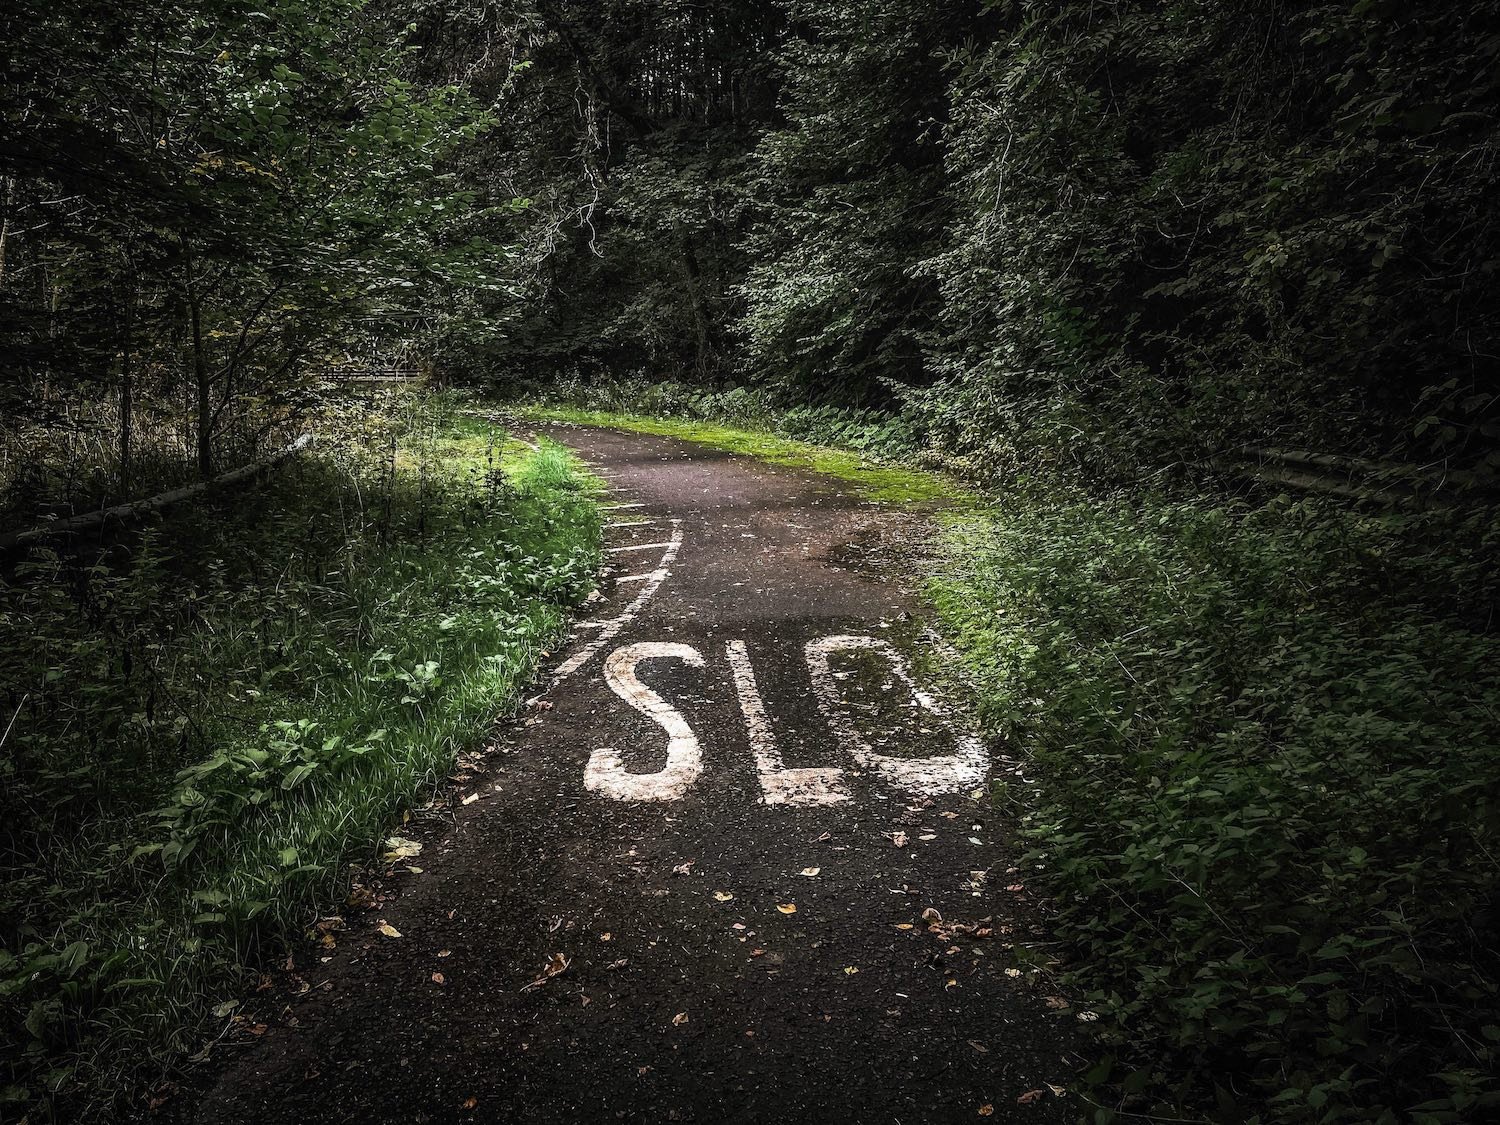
<point x="1185" y="314"/>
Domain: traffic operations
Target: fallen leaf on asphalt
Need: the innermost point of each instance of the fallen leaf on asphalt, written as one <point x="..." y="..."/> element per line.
<point x="684" y="868"/>
<point x="898" y="839"/>
<point x="1012" y="972"/>
<point x="1029" y="1096"/>
<point x="471" y="798"/>
<point x="850" y="970"/>
<point x="470" y="1103"/>
<point x="360" y="898"/>
<point x="1087" y="1017"/>
<point x="413" y="870"/>
<point x="679" y="1019"/>
<point x="1016" y="888"/>
<point x="723" y="896"/>
<point x="952" y="983"/>
<point x="401" y="848"/>
<point x="809" y="872"/>
<point x="903" y="925"/>
<point x="1056" y="1002"/>
<point x="978" y="1046"/>
<point x="444" y="952"/>
<point x="949" y="815"/>
<point x="987" y="1110"/>
<point x="978" y="793"/>
<point x="931" y="915"/>
<point x="1057" y="1091"/>
<point x="387" y="929"/>
<point x="438" y="978"/>
<point x="787" y="907"/>
<point x="925" y="836"/>
<point x="757" y="953"/>
<point x="556" y="964"/>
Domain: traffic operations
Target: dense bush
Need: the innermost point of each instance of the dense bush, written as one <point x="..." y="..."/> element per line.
<point x="1265" y="748"/>
<point x="1182" y="227"/>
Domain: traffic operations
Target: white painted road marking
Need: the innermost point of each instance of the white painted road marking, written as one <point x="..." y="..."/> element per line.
<point x="818" y="785"/>
<point x="638" y="547"/>
<point x="606" y="773"/>
<point x="612" y="628"/>
<point x="929" y="776"/>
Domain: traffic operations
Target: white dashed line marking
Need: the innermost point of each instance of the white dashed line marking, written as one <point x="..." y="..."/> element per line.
<point x="611" y="629"/>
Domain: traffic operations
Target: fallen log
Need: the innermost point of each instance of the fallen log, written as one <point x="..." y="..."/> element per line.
<point x="136" y="508"/>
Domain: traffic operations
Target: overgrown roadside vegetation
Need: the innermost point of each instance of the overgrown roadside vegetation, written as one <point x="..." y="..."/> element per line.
<point x="206" y="718"/>
<point x="1263" y="741"/>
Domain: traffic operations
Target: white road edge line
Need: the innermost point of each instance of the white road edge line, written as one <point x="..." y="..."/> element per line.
<point x="612" y="628"/>
<point x="638" y="547"/>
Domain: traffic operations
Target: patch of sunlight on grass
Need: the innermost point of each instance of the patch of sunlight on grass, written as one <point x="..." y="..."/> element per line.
<point x="871" y="479"/>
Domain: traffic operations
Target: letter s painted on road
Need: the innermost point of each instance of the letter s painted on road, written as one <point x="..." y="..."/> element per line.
<point x="605" y="773"/>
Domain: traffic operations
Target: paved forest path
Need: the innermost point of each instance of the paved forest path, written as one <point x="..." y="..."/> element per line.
<point x="729" y="735"/>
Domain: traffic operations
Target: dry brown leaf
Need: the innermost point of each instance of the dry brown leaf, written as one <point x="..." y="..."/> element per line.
<point x="931" y="915"/>
<point x="445" y="952"/>
<point x="1029" y="1096"/>
<point x="850" y="970"/>
<point x="470" y="1103"/>
<point x="903" y="925"/>
<point x="679" y="1019"/>
<point x="399" y="847"/>
<point x="787" y="907"/>
<point x="557" y="963"/>
<point x="898" y="839"/>
<point x="987" y="1110"/>
<point x="387" y="929"/>
<point x="809" y="872"/>
<point x="723" y="896"/>
<point x="438" y="978"/>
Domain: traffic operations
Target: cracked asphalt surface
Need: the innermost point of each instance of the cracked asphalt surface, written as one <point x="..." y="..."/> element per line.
<point x="682" y="988"/>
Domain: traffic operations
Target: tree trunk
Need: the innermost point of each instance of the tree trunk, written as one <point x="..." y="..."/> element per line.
<point x="201" y="382"/>
<point x="127" y="395"/>
<point x="702" y="325"/>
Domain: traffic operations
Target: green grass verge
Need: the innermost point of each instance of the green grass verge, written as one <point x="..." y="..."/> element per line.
<point x="212" y="720"/>
<point x="873" y="479"/>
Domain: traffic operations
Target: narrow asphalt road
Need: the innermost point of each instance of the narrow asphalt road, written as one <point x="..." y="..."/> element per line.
<point x="689" y="884"/>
